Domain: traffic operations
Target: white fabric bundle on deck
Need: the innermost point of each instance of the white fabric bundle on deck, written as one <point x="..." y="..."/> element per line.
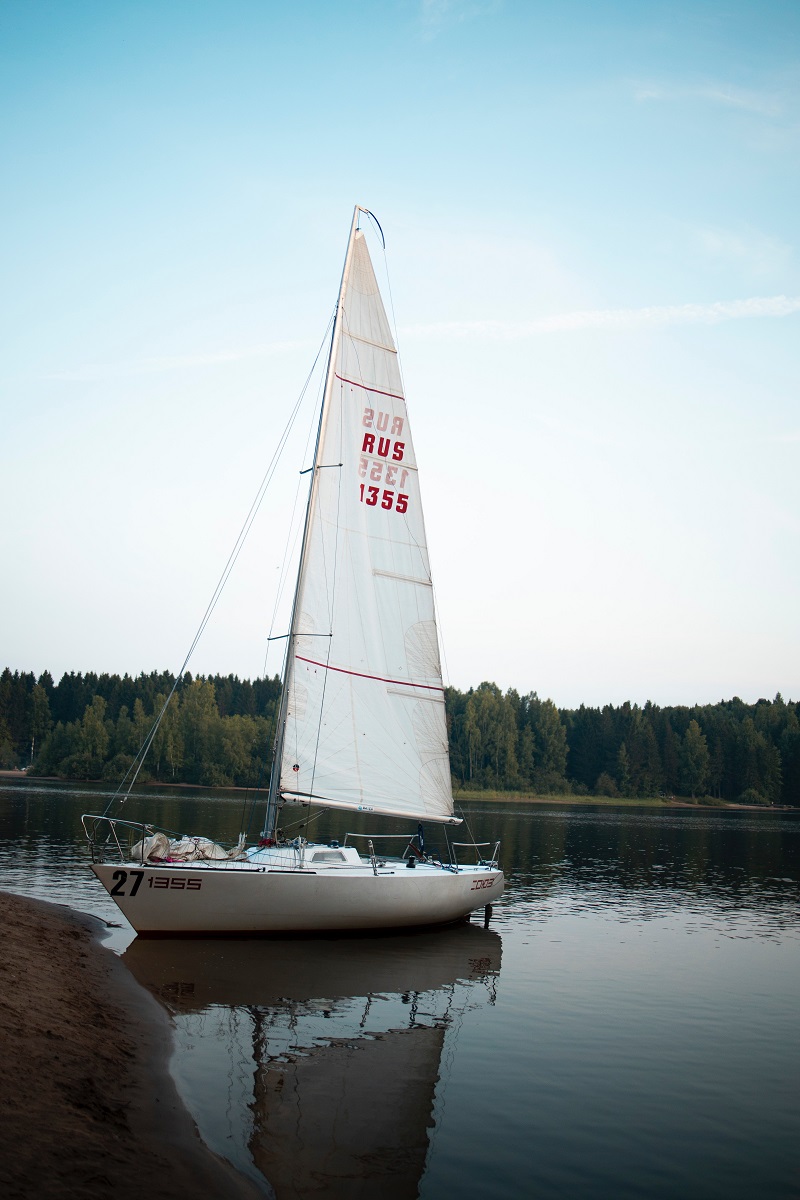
<point x="159" y="848"/>
<point x="151" y="849"/>
<point x="189" y="849"/>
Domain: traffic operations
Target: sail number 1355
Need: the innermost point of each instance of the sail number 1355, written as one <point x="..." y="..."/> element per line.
<point x="372" y="496"/>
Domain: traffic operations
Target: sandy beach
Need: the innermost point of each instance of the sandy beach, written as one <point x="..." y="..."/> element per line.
<point x="87" y="1105"/>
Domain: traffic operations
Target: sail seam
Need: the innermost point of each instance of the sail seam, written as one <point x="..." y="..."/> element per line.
<point x="368" y="342"/>
<point x="428" y="699"/>
<point x="367" y="388"/>
<point x="402" y="578"/>
<point x="428" y="687"/>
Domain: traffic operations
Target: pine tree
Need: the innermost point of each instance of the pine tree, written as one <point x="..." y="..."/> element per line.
<point x="695" y="759"/>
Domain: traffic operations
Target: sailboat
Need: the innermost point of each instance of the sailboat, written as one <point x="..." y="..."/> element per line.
<point x="361" y="725"/>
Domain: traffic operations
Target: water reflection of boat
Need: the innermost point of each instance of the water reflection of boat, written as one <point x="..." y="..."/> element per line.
<point x="344" y="1040"/>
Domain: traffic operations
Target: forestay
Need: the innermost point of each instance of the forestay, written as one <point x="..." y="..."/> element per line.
<point x="365" y="715"/>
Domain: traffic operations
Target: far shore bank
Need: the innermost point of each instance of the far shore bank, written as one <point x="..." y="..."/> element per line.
<point x="87" y="1105"/>
<point x="572" y="801"/>
<point x="460" y="797"/>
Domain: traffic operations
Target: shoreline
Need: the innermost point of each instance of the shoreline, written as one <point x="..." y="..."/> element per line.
<point x="88" y="1107"/>
<point x="487" y="797"/>
<point x="572" y="801"/>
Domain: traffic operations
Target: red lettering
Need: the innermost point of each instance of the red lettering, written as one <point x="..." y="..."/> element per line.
<point x="397" y="455"/>
<point x="369" y="414"/>
<point x="383" y="422"/>
<point x="397" y="426"/>
<point x="383" y="446"/>
<point x="369" y="443"/>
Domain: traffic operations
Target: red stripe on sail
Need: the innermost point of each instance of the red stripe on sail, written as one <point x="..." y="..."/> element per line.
<point x="377" y="391"/>
<point x="428" y="687"/>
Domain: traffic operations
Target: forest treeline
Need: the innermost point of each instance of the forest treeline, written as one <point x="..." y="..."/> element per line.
<point x="218" y="731"/>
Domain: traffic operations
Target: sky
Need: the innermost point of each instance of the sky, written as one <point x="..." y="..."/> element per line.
<point x="591" y="220"/>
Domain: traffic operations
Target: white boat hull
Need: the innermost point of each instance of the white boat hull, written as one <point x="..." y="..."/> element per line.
<point x="200" y="899"/>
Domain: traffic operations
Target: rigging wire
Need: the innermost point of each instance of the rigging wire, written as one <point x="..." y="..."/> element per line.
<point x="331" y="592"/>
<point x="294" y="534"/>
<point x="377" y="223"/>
<point x="466" y="825"/>
<point x="295" y="526"/>
<point x="141" y="754"/>
<point x="304" y="820"/>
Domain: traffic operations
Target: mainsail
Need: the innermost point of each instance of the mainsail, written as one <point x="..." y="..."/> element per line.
<point x="364" y="715"/>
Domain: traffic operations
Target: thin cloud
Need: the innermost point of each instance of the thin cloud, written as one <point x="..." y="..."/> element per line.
<point x="92" y="372"/>
<point x="789" y="438"/>
<point x="436" y="15"/>
<point x="759" y="253"/>
<point x="614" y="319"/>
<point x="763" y="104"/>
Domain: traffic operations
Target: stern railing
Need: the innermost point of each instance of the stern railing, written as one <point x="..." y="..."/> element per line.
<point x="413" y="850"/>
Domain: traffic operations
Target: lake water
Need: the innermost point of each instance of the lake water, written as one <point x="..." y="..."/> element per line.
<point x="626" y="1027"/>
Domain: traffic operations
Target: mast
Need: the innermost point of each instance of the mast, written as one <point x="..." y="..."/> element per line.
<point x="275" y="774"/>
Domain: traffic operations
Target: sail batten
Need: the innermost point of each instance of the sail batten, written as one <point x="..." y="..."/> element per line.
<point x="359" y="729"/>
<point x="368" y="342"/>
